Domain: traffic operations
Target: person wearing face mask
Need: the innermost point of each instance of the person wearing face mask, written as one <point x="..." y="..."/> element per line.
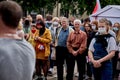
<point x="115" y="58"/>
<point x="90" y="34"/>
<point x="101" y="50"/>
<point x="42" y="39"/>
<point x="94" y="25"/>
<point x="54" y="27"/>
<point x="48" y="21"/>
<point x="116" y="27"/>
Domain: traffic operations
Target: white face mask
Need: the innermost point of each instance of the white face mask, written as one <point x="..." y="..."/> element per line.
<point x="55" y="24"/>
<point x="115" y="29"/>
<point x="102" y="30"/>
<point x="93" y="27"/>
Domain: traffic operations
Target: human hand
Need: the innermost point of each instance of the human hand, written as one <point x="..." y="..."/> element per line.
<point x="96" y="63"/>
<point x="74" y="53"/>
<point x="36" y="38"/>
<point x="119" y="55"/>
<point x="53" y="45"/>
<point x="32" y="35"/>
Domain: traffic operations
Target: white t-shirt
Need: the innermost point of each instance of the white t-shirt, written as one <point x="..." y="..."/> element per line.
<point x="111" y="44"/>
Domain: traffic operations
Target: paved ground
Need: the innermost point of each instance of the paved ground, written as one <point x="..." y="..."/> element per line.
<point x="54" y="77"/>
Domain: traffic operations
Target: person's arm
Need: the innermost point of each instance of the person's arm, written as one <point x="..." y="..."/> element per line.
<point x="48" y="38"/>
<point x="69" y="43"/>
<point x="111" y="52"/>
<point x="107" y="57"/>
<point x="95" y="63"/>
<point x="119" y="55"/>
<point x="90" y="55"/>
<point x="119" y="50"/>
<point x="83" y="44"/>
<point x="91" y="50"/>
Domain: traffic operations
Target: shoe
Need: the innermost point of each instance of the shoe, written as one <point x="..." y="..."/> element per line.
<point x="40" y="78"/>
<point x="35" y="77"/>
<point x="45" y="78"/>
<point x="76" y="74"/>
<point x="88" y="78"/>
<point x="55" y="75"/>
<point x="50" y="73"/>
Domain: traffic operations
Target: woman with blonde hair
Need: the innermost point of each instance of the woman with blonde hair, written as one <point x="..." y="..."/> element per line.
<point x="101" y="50"/>
<point x="39" y="17"/>
<point x="118" y="45"/>
<point x="53" y="28"/>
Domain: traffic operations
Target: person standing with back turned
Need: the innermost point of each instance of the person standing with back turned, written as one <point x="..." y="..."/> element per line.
<point x="17" y="56"/>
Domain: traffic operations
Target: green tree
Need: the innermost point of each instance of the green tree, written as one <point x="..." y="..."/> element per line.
<point x="73" y="7"/>
<point x="37" y="5"/>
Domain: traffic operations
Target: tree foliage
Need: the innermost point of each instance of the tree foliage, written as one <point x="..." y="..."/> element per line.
<point x="73" y="7"/>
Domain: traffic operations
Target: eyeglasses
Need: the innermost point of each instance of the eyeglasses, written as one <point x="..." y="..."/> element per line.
<point x="115" y="26"/>
<point x="87" y="26"/>
<point x="101" y="26"/>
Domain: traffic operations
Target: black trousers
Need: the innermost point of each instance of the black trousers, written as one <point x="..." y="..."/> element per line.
<point x="80" y="59"/>
<point x="61" y="56"/>
<point x="114" y="64"/>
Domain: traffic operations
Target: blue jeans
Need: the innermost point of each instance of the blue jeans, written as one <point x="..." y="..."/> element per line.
<point x="51" y="61"/>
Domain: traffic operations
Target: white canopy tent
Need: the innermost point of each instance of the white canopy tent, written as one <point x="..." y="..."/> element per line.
<point x="110" y="12"/>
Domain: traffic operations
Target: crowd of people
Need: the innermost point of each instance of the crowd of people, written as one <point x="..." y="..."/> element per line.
<point x="93" y="45"/>
<point x="57" y="41"/>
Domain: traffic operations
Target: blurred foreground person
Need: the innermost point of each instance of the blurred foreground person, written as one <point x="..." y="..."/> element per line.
<point x="17" y="56"/>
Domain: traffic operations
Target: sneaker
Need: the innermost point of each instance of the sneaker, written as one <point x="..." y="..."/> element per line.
<point x="45" y="78"/>
<point x="55" y="75"/>
<point x="35" y="77"/>
<point x="88" y="78"/>
<point x="50" y="73"/>
<point x="76" y="74"/>
<point x="40" y="78"/>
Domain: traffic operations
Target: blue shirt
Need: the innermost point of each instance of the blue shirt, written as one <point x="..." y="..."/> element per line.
<point x="82" y="28"/>
<point x="62" y="38"/>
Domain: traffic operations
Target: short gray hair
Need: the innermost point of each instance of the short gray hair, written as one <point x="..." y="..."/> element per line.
<point x="77" y="20"/>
